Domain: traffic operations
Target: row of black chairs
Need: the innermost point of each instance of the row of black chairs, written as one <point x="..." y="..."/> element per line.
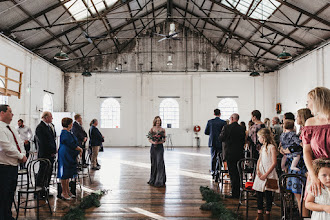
<point x="247" y="172"/>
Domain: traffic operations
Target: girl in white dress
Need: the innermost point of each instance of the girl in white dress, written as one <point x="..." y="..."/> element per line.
<point x="320" y="204"/>
<point x="266" y="181"/>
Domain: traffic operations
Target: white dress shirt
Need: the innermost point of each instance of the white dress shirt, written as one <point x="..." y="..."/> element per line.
<point x="25" y="133"/>
<point x="9" y="154"/>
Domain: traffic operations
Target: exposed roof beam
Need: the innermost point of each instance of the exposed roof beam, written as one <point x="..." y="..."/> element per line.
<point x="313" y="16"/>
<point x="125" y="24"/>
<point x="258" y="22"/>
<point x="8" y="30"/>
<point x="213" y="23"/>
<point x="169" y="9"/>
<point x="104" y="13"/>
<point x="39" y="23"/>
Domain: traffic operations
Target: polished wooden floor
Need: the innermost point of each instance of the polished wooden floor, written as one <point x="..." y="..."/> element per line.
<point x="125" y="172"/>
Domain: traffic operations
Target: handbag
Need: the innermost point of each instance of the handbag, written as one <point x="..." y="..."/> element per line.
<point x="271" y="183"/>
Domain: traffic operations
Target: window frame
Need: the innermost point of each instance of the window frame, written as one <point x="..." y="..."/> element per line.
<point x="113" y="125"/>
<point x="3" y="97"/>
<point x="222" y="112"/>
<point x="52" y="103"/>
<point x="175" y="114"/>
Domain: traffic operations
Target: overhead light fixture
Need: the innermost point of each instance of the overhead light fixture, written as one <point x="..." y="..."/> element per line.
<point x="254" y="74"/>
<point x="61" y="56"/>
<point x="284" y="56"/>
<point x="86" y="73"/>
<point x="169" y="61"/>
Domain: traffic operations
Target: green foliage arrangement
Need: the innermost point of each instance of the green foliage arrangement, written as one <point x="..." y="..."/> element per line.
<point x="215" y="204"/>
<point x="78" y="212"/>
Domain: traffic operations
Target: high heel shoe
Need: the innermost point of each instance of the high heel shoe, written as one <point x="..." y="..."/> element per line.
<point x="65" y="198"/>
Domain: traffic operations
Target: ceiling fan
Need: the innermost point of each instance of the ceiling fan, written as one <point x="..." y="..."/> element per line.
<point x="171" y="35"/>
<point x="90" y="38"/>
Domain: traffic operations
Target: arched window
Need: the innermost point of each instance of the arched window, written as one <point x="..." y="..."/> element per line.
<point x="110" y="113"/>
<point x="3" y="98"/>
<point x="227" y="107"/>
<point x="169" y="113"/>
<point x="47" y="103"/>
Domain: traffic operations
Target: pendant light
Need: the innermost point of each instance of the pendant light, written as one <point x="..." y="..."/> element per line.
<point x="254" y="74"/>
<point x="86" y="73"/>
<point x="61" y="56"/>
<point x="284" y="56"/>
<point x="169" y="61"/>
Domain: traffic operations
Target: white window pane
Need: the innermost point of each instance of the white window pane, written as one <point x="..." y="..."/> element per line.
<point x="169" y="113"/>
<point x="110" y="113"/>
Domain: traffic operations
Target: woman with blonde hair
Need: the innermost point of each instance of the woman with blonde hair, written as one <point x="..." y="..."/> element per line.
<point x="302" y="115"/>
<point x="316" y="135"/>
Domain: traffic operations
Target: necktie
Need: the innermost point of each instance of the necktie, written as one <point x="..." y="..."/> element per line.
<point x="19" y="149"/>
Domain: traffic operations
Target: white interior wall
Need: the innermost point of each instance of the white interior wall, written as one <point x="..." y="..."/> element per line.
<point x="299" y="77"/>
<point x="140" y="100"/>
<point x="38" y="75"/>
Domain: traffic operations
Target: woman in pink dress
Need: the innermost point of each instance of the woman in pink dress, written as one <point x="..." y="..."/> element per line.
<point x="316" y="135"/>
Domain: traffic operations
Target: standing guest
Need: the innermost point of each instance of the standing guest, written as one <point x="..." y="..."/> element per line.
<point x="302" y="116"/>
<point x="81" y="135"/>
<point x="46" y="135"/>
<point x="234" y="137"/>
<point x="95" y="141"/>
<point x="255" y="145"/>
<point x="67" y="157"/>
<point x="316" y="135"/>
<point x="267" y="122"/>
<point x="266" y="172"/>
<point x="25" y="134"/>
<point x="213" y="129"/>
<point x="320" y="205"/>
<point x="242" y="123"/>
<point x="158" y="173"/>
<point x="11" y="154"/>
<point x="276" y="129"/>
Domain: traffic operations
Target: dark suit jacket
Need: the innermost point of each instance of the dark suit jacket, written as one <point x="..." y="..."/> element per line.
<point x="234" y="137"/>
<point x="95" y="137"/>
<point x="213" y="128"/>
<point x="80" y="133"/>
<point x="45" y="138"/>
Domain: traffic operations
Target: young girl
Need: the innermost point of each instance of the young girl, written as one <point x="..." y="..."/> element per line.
<point x="266" y="173"/>
<point x="320" y="205"/>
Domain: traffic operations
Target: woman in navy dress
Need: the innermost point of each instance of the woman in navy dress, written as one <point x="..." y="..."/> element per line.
<point x="157" y="174"/>
<point x="67" y="157"/>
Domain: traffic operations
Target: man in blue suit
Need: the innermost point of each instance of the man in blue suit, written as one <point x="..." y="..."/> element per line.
<point x="213" y="129"/>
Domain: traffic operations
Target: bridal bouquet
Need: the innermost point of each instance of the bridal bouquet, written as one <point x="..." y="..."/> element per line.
<point x="156" y="136"/>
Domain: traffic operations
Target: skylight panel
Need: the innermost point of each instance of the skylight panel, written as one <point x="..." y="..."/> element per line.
<point x="260" y="9"/>
<point x="79" y="10"/>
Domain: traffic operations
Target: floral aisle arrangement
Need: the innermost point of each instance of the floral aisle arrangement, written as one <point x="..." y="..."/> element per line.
<point x="215" y="204"/>
<point x="156" y="136"/>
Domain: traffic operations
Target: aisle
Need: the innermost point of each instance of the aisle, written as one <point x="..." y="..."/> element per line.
<point x="125" y="172"/>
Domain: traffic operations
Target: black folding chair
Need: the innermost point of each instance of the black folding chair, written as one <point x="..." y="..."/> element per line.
<point x="32" y="188"/>
<point x="23" y="171"/>
<point x="289" y="209"/>
<point x="247" y="172"/>
<point x="221" y="172"/>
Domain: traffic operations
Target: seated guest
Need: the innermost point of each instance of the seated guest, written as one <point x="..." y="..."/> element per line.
<point x="79" y="132"/>
<point x="95" y="141"/>
<point x="11" y="154"/>
<point x="67" y="157"/>
<point x="234" y="137"/>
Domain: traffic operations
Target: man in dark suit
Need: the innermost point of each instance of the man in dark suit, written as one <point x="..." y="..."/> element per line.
<point x="213" y="129"/>
<point x="234" y="137"/>
<point x="81" y="135"/>
<point x="46" y="144"/>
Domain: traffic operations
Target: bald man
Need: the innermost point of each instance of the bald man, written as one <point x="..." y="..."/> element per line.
<point x="234" y="137"/>
<point x="46" y="145"/>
